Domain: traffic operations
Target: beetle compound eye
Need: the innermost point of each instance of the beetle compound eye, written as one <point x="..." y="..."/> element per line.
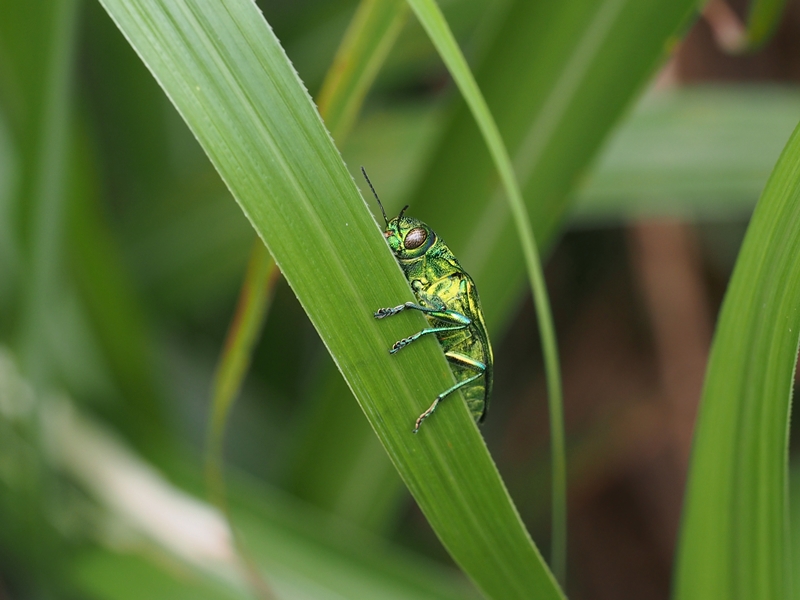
<point x="415" y="238"/>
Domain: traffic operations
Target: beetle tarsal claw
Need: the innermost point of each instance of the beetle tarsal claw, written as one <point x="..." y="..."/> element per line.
<point x="388" y="312"/>
<point x="426" y="414"/>
<point x="401" y="344"/>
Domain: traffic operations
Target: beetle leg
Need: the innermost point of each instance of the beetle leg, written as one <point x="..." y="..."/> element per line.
<point x="441" y="396"/>
<point x="450" y="316"/>
<point x="399" y="344"/>
<point x="388" y="312"/>
<point x="465" y="361"/>
<point x="456" y="319"/>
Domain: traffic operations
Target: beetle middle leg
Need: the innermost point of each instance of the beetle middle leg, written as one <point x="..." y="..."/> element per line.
<point x="455" y="319"/>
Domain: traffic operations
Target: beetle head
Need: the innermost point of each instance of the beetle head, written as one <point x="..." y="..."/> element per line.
<point x="408" y="238"/>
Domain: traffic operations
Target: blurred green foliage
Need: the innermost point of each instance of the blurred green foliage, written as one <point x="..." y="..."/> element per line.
<point x="121" y="252"/>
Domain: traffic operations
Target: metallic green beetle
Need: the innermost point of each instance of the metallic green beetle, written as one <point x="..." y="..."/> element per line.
<point x="447" y="296"/>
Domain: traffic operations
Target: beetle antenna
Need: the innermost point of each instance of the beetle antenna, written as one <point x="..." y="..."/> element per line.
<point x="400" y="216"/>
<point x="374" y="193"/>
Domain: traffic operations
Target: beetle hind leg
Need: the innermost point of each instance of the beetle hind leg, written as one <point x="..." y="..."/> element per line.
<point x="441" y="397"/>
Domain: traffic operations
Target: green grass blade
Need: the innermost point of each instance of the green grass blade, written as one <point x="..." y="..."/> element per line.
<point x="248" y="320"/>
<point x="117" y="320"/>
<point x="367" y="41"/>
<point x="434" y="23"/>
<point x="762" y="20"/>
<point x="9" y="245"/>
<point x="794" y="520"/>
<point x="734" y="540"/>
<point x="43" y="189"/>
<point x="226" y="73"/>
<point x="371" y="34"/>
<point x="355" y="480"/>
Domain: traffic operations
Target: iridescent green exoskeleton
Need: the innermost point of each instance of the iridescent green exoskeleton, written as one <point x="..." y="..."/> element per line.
<point x="447" y="296"/>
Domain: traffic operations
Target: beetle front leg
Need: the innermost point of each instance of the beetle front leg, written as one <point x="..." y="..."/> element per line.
<point x="455" y="321"/>
<point x="443" y="314"/>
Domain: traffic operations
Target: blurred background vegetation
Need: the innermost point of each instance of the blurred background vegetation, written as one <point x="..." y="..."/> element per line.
<point x="122" y="253"/>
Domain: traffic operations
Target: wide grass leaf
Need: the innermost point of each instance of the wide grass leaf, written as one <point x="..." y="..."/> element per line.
<point x="701" y="152"/>
<point x="226" y="73"/>
<point x="734" y="541"/>
<point x="319" y="467"/>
